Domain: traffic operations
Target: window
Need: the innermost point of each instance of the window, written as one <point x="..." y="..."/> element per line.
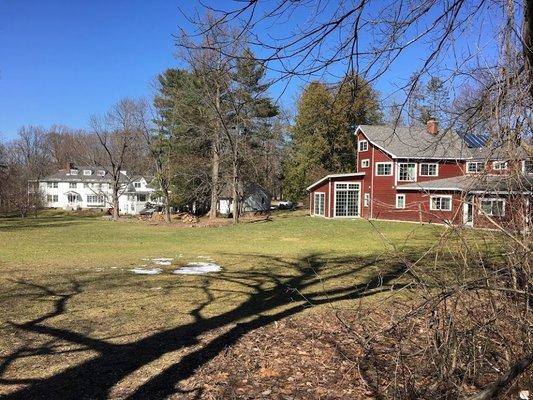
<point x="72" y="185"/>
<point x="52" y="198"/>
<point x="528" y="166"/>
<point x="101" y="173"/>
<point x="346" y="199"/>
<point x="400" y="201"/>
<point x="137" y="184"/>
<point x="493" y="207"/>
<point x="363" y="145"/>
<point x="319" y="204"/>
<point x="93" y="198"/>
<point x="87" y="172"/>
<point x="52" y="185"/>
<point x="499" y="165"/>
<point x="429" y="169"/>
<point x="384" y="169"/>
<point x="474" y="167"/>
<point x="367" y="199"/>
<point x="141" y="197"/>
<point x="73" y="172"/>
<point x="406" y="172"/>
<point x="365" y="163"/>
<point x="442" y="203"/>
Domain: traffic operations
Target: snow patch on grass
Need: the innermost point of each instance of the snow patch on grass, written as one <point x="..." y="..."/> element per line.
<point x="197" y="268"/>
<point x="146" y="271"/>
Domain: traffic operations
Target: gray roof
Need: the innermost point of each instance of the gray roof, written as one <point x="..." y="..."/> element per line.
<point x="416" y="142"/>
<point x="63" y="175"/>
<point x="226" y="192"/>
<point x="475" y="183"/>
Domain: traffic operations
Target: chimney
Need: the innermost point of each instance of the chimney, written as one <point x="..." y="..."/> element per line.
<point x="432" y="126"/>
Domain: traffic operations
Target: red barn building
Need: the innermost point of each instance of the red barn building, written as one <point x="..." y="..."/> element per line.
<point x="423" y="175"/>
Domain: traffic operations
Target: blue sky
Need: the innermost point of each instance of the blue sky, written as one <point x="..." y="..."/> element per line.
<point x="62" y="61"/>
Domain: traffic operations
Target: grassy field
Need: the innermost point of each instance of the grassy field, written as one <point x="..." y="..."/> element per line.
<point x="77" y="322"/>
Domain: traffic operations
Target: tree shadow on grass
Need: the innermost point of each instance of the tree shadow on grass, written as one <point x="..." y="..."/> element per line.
<point x="270" y="298"/>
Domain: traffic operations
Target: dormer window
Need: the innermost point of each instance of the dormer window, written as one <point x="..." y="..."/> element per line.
<point x="87" y="172"/>
<point x="73" y="172"/>
<point x="136" y="185"/>
<point x="101" y="173"/>
<point x="363" y="145"/>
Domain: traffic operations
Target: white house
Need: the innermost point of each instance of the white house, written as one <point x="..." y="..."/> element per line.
<point x="77" y="187"/>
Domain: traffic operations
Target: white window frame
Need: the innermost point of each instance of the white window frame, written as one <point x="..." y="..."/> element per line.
<point x="52" y="198"/>
<point x="358" y="200"/>
<point x="365" y="163"/>
<point x="136" y="185"/>
<point x="446" y="196"/>
<point x="72" y="185"/>
<point x="87" y="172"/>
<point x="73" y="172"/>
<point x="398" y="168"/>
<point x="420" y="169"/>
<point x="400" y="196"/>
<point x="384" y="163"/>
<point x="502" y="165"/>
<point x="323" y="195"/>
<point x="359" y="145"/>
<point x="524" y="167"/>
<point x="52" y="185"/>
<point x="468" y="163"/>
<point x="492" y="200"/>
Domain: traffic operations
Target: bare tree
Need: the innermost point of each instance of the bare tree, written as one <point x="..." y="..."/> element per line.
<point x="117" y="132"/>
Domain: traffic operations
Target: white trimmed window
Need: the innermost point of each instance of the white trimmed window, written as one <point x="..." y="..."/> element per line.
<point x="493" y="207"/>
<point x="87" y="172"/>
<point x="51" y="185"/>
<point x="365" y="163"/>
<point x="383" y="168"/>
<point x="95" y="199"/>
<point x="52" y="198"/>
<point x="473" y="167"/>
<point x="499" y="165"/>
<point x="400" y="201"/>
<point x="73" y="172"/>
<point x="406" y="172"/>
<point x="527" y="166"/>
<point x="72" y="185"/>
<point x="363" y="145"/>
<point x="101" y="173"/>
<point x="136" y="184"/>
<point x="319" y="203"/>
<point x="429" y="169"/>
<point x="440" y="203"/>
<point x="366" y="200"/>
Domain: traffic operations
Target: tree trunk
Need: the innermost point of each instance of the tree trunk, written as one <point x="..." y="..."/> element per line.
<point x="527" y="35"/>
<point x="215" y="167"/>
<point x="166" y="205"/>
<point x="115" y="202"/>
<point x="235" y="188"/>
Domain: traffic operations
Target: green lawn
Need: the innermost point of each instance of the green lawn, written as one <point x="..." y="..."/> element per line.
<point x="73" y="312"/>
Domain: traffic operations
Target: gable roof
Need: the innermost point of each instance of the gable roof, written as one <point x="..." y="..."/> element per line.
<point x="320" y="181"/>
<point x="416" y="142"/>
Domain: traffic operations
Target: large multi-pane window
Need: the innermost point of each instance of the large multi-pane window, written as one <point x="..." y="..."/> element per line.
<point x="429" y="169"/>
<point x="499" y="165"/>
<point x="442" y="203"/>
<point x="346" y="199"/>
<point x="319" y="203"/>
<point x="72" y="185"/>
<point x="406" y="172"/>
<point x="52" y="185"/>
<point x="383" y="169"/>
<point x="493" y="207"/>
<point x="52" y="198"/>
<point x="94" y="198"/>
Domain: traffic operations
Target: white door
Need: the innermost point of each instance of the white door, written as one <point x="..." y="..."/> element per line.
<point x="468" y="212"/>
